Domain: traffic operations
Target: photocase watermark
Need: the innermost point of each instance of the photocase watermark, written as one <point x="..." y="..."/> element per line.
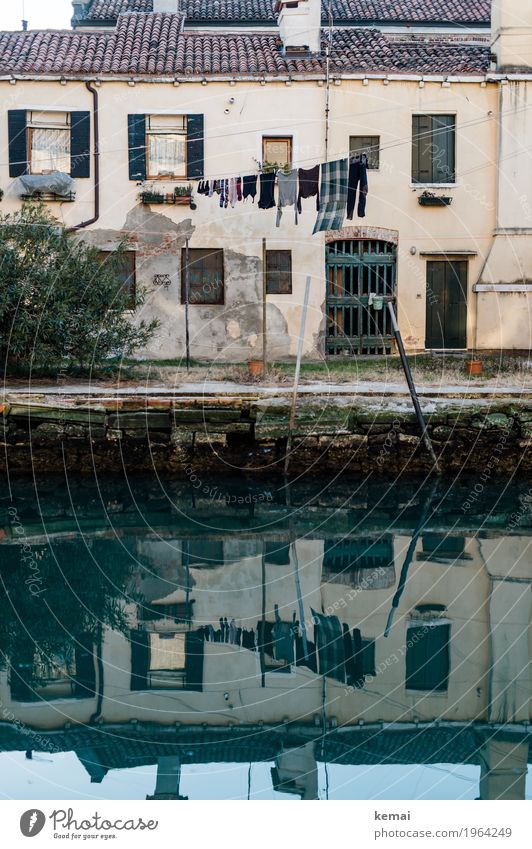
<point x="217" y="494"/>
<point x="35" y="739"/>
<point x="389" y="443"/>
<point x="28" y="558"/>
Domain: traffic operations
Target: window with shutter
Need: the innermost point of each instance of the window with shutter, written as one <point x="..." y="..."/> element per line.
<point x="278" y="272"/>
<point x="277" y="150"/>
<point x="427" y="657"/>
<point x="18" y="144"/>
<point x="136" y="127"/>
<point x="126" y="273"/>
<point x="205" y="276"/>
<point x="195" y="147"/>
<point x="370" y="145"/>
<point x="80" y="144"/>
<point x="433" y="148"/>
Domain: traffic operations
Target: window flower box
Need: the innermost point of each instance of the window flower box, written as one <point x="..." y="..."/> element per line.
<point x="429" y="199"/>
<point x="181" y="196"/>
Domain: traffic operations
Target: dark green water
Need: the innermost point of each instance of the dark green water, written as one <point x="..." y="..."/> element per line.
<point x="213" y="639"/>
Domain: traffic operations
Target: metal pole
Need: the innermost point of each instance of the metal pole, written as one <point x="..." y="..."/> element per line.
<point x="408" y="559"/>
<point x="264" y="327"/>
<point x="187" y="298"/>
<point x="411" y="386"/>
<point x="296" y="376"/>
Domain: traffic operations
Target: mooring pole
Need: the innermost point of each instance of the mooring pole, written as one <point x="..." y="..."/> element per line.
<point x="187" y="297"/>
<point x="296" y="376"/>
<point x="411" y="386"/>
<point x="264" y="316"/>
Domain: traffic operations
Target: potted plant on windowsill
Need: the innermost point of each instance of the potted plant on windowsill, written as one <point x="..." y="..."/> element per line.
<point x="183" y="195"/>
<point x="430" y="199"/>
<point x="151" y="196"/>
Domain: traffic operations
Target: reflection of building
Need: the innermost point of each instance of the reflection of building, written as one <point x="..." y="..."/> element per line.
<point x="450" y="684"/>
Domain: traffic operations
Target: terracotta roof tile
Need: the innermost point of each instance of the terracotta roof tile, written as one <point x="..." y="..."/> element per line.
<point x="356" y="11"/>
<point x="155" y="44"/>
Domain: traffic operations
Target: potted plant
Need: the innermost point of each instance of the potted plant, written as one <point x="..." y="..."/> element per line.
<point x="183" y="195"/>
<point x="151" y="196"/>
<point x="256" y="369"/>
<point x="430" y="199"/>
<point x="473" y="365"/>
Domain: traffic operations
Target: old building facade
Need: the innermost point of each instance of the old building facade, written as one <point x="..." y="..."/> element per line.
<point x="141" y="99"/>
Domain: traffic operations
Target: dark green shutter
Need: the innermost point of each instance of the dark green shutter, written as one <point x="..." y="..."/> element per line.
<point x="80" y="144"/>
<point x="443" y="144"/>
<point x="136" y="131"/>
<point x="427" y="657"/>
<point x="85" y="680"/>
<point x="140" y="660"/>
<point x="421" y="149"/>
<point x="18" y="145"/>
<point x="195" y="147"/>
<point x="194" y="650"/>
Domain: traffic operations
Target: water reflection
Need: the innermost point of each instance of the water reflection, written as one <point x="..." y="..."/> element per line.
<point x="320" y="633"/>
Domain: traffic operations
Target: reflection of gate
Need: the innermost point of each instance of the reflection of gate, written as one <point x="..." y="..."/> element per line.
<point x="355" y="269"/>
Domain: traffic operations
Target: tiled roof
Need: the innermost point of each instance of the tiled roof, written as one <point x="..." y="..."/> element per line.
<point x="154" y="44"/>
<point x="356" y="11"/>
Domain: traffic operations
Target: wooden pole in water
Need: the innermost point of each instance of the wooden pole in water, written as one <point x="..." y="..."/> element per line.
<point x="296" y="376"/>
<point x="413" y="393"/>
<point x="187" y="297"/>
<point x="264" y="318"/>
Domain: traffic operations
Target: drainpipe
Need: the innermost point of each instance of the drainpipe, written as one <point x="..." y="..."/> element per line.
<point x="99" y="665"/>
<point x="94" y="92"/>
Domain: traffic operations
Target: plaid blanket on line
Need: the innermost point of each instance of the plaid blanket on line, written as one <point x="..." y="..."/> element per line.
<point x="333" y="195"/>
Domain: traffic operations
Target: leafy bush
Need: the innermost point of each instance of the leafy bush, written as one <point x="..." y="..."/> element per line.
<point x="60" y="306"/>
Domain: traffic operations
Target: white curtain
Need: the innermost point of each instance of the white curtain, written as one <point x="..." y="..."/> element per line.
<point x="50" y="151"/>
<point x="166" y="154"/>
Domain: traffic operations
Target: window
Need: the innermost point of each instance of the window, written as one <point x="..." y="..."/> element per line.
<point x="433" y="148"/>
<point x="126" y="273"/>
<point x="278" y="272"/>
<point x="367" y="652"/>
<point x="370" y="145"/>
<point x="427" y="657"/>
<point x="205" y="276"/>
<point x="49" y="142"/>
<point x="277" y="150"/>
<point x="166" y="146"/>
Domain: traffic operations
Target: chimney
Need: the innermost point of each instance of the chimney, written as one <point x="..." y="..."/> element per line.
<point x="511" y="34"/>
<point x="80" y="8"/>
<point x="300" y="24"/>
<point x="171" y="6"/>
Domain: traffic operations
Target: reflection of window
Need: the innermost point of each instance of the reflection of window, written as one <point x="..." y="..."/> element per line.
<point x="427" y="656"/>
<point x="367" y="652"/>
<point x="49" y="142"/>
<point x="438" y="548"/>
<point x="126" y="273"/>
<point x="368" y="145"/>
<point x="279" y="272"/>
<point x="433" y="148"/>
<point x="35" y="675"/>
<point x="277" y="150"/>
<point x="166" y="660"/>
<point x="205" y="276"/>
<point x="362" y="561"/>
<point x="166" y="146"/>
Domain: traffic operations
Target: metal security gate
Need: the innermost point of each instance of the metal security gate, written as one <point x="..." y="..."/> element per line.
<point x="357" y="268"/>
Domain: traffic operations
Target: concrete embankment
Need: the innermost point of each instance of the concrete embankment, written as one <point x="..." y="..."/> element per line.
<point x="246" y="430"/>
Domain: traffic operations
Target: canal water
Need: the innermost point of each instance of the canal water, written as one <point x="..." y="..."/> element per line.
<point x="206" y="639"/>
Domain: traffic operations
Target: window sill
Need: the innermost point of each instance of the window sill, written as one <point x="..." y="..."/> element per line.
<point x="433" y="185"/>
<point x="503" y="287"/>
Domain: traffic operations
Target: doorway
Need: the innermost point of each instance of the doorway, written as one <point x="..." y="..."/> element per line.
<point x="446" y="304"/>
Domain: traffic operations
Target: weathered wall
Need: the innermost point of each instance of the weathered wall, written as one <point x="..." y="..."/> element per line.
<point x="232" y="146"/>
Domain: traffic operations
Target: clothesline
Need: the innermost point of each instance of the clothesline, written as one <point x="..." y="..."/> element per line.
<point x="334" y="185"/>
<point x="308" y="163"/>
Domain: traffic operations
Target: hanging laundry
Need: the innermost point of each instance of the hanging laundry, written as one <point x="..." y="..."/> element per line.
<point x="231" y="192"/>
<point x="333" y="195"/>
<point x="264" y="637"/>
<point x="358" y="670"/>
<point x="287" y="193"/>
<point x="358" y="179"/>
<point x="267" y="189"/>
<point x="239" y="188"/>
<point x="249" y="187"/>
<point x="309" y="186"/>
<point x="248" y="639"/>
<point x="222" y="193"/>
<point x="232" y="632"/>
<point x="330" y="644"/>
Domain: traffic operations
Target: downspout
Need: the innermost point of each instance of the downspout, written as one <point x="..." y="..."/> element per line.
<point x="94" y="92"/>
<point x="99" y="665"/>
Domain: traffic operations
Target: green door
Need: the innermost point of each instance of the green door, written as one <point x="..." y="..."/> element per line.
<point x="446" y="304"/>
<point x="357" y="268"/>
